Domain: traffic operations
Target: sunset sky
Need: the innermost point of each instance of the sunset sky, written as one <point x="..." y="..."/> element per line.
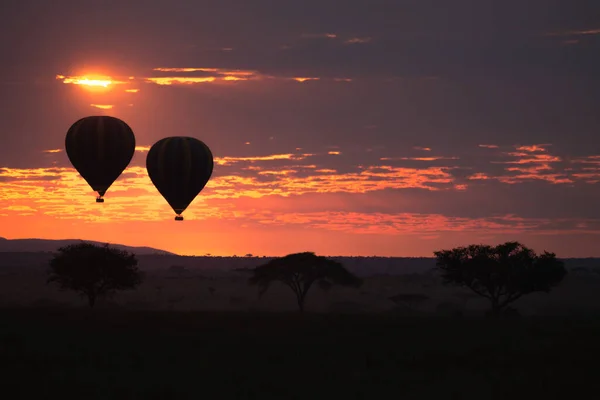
<point x="372" y="127"/>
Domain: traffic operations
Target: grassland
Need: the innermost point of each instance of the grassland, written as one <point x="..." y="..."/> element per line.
<point x="175" y="338"/>
<point x="111" y="354"/>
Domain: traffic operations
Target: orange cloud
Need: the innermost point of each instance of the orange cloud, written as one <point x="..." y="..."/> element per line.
<point x="214" y="75"/>
<point x="184" y="76"/>
<point x="102" y="106"/>
<point x="534" y="148"/>
<point x="186" y="69"/>
<point x="90" y="81"/>
<point x="590" y="170"/>
<point x="587" y="160"/>
<point x="479" y="176"/>
<point x="219" y="71"/>
<point x="231" y="160"/>
<point x="62" y="193"/>
<point x="183" y="80"/>
<point x="305" y="79"/>
<point x="234" y="78"/>
<point x="537" y="172"/>
<point x="531" y="162"/>
<point x="418" y="158"/>
<point x="526" y="158"/>
<point x="422" y="148"/>
<point x="527" y="155"/>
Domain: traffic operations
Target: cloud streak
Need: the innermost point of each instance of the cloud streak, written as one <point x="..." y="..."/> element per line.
<point x="60" y="191"/>
<point x="187" y="76"/>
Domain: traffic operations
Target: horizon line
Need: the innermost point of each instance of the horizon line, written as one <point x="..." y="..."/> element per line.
<point x="163" y="252"/>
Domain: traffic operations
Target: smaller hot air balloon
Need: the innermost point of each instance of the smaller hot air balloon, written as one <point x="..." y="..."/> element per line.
<point x="179" y="167"/>
<point x="100" y="148"/>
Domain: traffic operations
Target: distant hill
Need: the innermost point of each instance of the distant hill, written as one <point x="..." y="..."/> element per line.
<point x="48" y="245"/>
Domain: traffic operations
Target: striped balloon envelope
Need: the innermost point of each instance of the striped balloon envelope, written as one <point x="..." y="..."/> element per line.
<point x="179" y="167"/>
<point x="100" y="148"/>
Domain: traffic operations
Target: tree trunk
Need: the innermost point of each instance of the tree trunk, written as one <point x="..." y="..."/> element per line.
<point x="91" y="300"/>
<point x="302" y="294"/>
<point x="301" y="303"/>
<point x="496" y="308"/>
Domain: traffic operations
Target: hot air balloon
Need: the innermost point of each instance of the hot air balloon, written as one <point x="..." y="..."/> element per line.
<point x="100" y="148"/>
<point x="179" y="167"/>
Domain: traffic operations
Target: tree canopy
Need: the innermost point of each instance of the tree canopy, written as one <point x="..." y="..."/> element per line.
<point x="93" y="270"/>
<point x="501" y="273"/>
<point x="300" y="271"/>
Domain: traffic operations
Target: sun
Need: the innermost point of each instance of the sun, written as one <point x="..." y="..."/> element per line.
<point x="90" y="82"/>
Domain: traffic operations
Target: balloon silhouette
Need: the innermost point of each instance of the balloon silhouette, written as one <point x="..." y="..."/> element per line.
<point x="100" y="148"/>
<point x="179" y="167"/>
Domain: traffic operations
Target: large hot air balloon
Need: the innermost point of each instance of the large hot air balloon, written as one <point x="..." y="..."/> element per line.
<point x="100" y="148"/>
<point x="179" y="167"/>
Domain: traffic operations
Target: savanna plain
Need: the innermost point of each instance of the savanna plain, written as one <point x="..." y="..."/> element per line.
<point x="195" y="327"/>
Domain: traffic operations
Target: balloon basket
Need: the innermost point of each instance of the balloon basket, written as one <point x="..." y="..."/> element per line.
<point x="99" y="200"/>
<point x="179" y="218"/>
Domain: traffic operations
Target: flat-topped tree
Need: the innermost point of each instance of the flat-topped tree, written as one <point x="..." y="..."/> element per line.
<point x="94" y="271"/>
<point x="501" y="273"/>
<point x="300" y="271"/>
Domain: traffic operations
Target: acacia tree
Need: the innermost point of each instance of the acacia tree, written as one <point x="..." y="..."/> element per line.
<point x="94" y="271"/>
<point x="501" y="273"/>
<point x="300" y="271"/>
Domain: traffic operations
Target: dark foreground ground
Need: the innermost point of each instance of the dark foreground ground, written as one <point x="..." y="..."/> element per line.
<point x="49" y="354"/>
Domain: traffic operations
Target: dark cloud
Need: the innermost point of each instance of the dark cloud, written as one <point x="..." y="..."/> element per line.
<point x="537" y="200"/>
<point x="459" y="39"/>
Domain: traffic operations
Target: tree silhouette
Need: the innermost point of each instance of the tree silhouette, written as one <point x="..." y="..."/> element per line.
<point x="500" y="273"/>
<point x="300" y="271"/>
<point x="93" y="270"/>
